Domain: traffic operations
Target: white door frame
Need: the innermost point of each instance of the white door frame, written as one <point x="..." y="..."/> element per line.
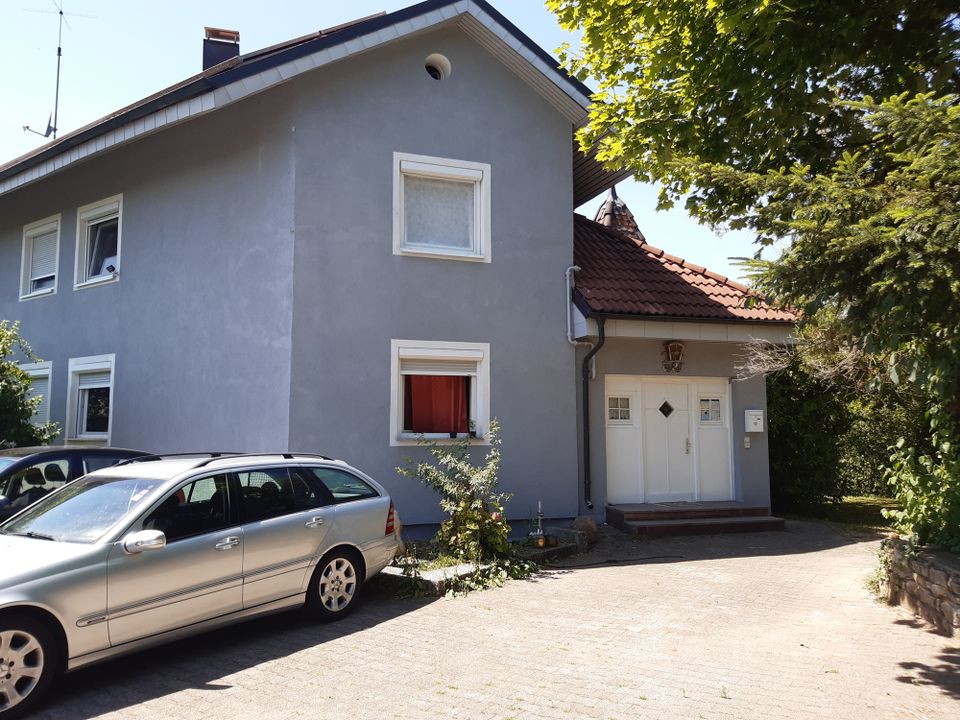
<point x="633" y="386"/>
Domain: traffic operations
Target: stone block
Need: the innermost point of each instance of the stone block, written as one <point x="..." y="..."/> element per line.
<point x="588" y="527"/>
<point x="938" y="591"/>
<point x="937" y="576"/>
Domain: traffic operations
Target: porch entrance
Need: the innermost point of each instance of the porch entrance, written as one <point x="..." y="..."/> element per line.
<point x="667" y="439"/>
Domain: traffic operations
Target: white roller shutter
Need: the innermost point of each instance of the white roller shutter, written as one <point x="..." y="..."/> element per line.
<point x="423" y="366"/>
<point x="98" y="379"/>
<point x="40" y="385"/>
<point x="43" y="256"/>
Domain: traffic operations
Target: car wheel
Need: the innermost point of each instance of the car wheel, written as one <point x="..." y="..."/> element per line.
<point x="335" y="586"/>
<point x="29" y="663"/>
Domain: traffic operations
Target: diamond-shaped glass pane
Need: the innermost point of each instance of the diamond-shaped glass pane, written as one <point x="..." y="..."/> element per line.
<point x="666" y="409"/>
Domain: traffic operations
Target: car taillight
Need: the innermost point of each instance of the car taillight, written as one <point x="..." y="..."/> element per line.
<point x="390" y="520"/>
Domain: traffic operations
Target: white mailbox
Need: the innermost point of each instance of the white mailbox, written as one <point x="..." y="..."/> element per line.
<point x="753" y="420"/>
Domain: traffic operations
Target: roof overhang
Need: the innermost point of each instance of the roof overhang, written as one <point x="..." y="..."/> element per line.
<point x="239" y="78"/>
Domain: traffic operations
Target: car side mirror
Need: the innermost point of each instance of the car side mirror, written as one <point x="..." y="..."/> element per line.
<point x="138" y="542"/>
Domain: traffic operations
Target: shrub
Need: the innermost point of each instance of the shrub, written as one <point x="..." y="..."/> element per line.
<point x="476" y="530"/>
<point x="16" y="409"/>
<point x="807" y="421"/>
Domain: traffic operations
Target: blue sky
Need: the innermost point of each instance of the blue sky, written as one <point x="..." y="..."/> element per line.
<point x="118" y="51"/>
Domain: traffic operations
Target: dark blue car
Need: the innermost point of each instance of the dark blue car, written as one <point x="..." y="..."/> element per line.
<point x="29" y="473"/>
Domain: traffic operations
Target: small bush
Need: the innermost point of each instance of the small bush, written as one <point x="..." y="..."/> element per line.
<point x="476" y="530"/>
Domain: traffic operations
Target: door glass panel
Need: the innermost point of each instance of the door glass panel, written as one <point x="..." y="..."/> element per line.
<point x="666" y="409"/>
<point x="199" y="507"/>
<point x="267" y="493"/>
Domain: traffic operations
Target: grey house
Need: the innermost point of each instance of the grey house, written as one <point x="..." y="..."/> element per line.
<point x="343" y="242"/>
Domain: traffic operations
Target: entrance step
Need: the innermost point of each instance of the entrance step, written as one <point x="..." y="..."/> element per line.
<point x="682" y="511"/>
<point x="691" y="518"/>
<point x="698" y="526"/>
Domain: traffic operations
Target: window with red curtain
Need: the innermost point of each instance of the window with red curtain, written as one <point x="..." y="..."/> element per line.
<point x="436" y="403"/>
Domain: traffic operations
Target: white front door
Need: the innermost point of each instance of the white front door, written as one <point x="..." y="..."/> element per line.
<point x="667" y="442"/>
<point x="667" y="439"/>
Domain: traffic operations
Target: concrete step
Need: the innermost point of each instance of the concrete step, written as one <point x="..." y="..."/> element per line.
<point x="694" y="511"/>
<point x="700" y="526"/>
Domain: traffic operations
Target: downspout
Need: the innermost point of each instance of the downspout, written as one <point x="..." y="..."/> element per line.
<point x="585" y="379"/>
<point x="568" y="275"/>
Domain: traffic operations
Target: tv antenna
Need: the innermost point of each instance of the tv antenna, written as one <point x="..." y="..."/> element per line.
<point x="52" y="118"/>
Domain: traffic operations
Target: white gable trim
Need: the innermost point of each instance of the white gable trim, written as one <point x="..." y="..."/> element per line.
<point x="550" y="83"/>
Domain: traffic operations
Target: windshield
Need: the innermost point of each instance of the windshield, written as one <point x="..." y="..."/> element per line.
<point x="84" y="510"/>
<point x="7" y="462"/>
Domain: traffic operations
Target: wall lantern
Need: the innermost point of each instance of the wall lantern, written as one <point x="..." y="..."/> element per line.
<point x="672" y="356"/>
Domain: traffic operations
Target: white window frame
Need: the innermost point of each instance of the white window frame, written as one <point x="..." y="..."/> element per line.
<point x="631" y="406"/>
<point x="406" y="164"/>
<point x="77" y="367"/>
<point x="712" y="398"/>
<point x="30" y="233"/>
<point x="437" y="350"/>
<point x="87" y="215"/>
<point x="41" y="370"/>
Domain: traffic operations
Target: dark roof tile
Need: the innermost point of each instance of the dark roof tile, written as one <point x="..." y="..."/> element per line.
<point x="623" y="275"/>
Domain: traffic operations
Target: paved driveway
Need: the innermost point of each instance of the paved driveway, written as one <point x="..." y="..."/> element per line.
<point x="771" y="625"/>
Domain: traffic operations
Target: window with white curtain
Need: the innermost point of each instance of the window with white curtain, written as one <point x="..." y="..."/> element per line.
<point x="441" y="207"/>
<point x="41" y="247"/>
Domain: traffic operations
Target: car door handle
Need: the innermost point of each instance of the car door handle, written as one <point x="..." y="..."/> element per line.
<point x="315" y="522"/>
<point x="228" y="543"/>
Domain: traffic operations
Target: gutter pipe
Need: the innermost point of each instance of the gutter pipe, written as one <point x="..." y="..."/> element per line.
<point x="568" y="274"/>
<point x="585" y="395"/>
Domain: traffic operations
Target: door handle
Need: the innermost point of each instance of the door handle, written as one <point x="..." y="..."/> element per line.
<point x="228" y="543"/>
<point x="687" y="447"/>
<point x="315" y="522"/>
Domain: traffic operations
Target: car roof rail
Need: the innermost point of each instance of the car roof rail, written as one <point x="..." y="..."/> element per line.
<point x="153" y="457"/>
<point x="234" y="456"/>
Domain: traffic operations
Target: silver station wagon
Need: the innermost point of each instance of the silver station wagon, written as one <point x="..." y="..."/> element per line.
<point x="158" y="548"/>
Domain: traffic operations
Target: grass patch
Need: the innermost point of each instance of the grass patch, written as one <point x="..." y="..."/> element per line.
<point x="858" y="511"/>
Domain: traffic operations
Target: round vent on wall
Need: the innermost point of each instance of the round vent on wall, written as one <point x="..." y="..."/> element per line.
<point x="437" y="66"/>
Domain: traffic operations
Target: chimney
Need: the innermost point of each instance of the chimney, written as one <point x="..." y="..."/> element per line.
<point x="219" y="45"/>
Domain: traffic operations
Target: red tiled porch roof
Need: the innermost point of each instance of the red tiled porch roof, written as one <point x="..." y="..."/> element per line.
<point x="623" y="275"/>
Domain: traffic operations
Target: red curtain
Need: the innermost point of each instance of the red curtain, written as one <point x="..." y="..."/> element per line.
<point x="435" y="404"/>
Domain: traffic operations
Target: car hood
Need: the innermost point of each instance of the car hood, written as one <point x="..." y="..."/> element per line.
<point x="23" y="559"/>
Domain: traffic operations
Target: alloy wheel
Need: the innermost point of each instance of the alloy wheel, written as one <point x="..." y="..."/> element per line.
<point x="338" y="584"/>
<point x="21" y="667"/>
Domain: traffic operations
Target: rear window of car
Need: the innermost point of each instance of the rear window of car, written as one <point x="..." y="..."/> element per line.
<point x="99" y="462"/>
<point x="344" y="486"/>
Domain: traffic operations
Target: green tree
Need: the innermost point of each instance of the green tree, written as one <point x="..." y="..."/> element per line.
<point x="764" y="112"/>
<point x="754" y="84"/>
<point x="16" y="409"/>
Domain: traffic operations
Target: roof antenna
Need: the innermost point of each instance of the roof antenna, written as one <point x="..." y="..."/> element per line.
<point x="52" y="118"/>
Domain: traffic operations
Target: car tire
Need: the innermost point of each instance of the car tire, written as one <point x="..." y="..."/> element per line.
<point x="29" y="664"/>
<point x="334" y="589"/>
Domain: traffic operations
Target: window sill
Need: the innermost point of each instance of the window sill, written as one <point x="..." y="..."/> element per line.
<point x="445" y="254"/>
<point x="407" y="439"/>
<point x="38" y="294"/>
<point x="91" y="440"/>
<point x="99" y="280"/>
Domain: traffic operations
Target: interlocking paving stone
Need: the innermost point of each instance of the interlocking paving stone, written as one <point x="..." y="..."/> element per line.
<point x="768" y="625"/>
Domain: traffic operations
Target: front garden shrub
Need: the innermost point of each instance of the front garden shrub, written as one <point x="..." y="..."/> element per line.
<point x="476" y="530"/>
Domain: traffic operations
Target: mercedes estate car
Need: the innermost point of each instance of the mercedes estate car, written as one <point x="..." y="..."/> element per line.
<point x="158" y="548"/>
<point x="29" y="473"/>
